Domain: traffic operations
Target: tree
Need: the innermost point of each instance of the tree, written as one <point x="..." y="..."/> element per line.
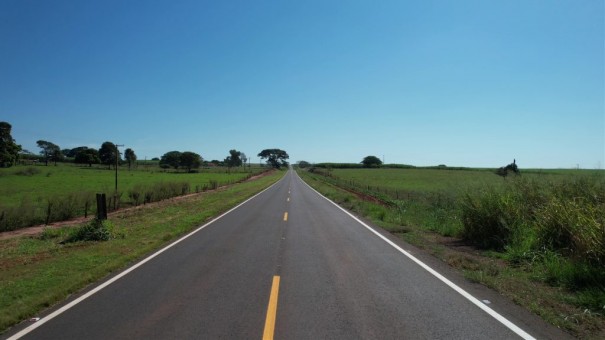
<point x="108" y="154"/>
<point x="171" y="159"/>
<point x="190" y="160"/>
<point x="233" y="159"/>
<point x="87" y="156"/>
<point x="244" y="159"/>
<point x="371" y="162"/>
<point x="275" y="157"/>
<point x="9" y="150"/>
<point x="130" y="157"/>
<point x="57" y="155"/>
<point x="73" y="152"/>
<point x="504" y="170"/>
<point x="303" y="164"/>
<point x="50" y="151"/>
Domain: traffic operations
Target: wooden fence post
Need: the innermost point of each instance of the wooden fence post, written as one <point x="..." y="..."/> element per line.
<point x="101" y="207"/>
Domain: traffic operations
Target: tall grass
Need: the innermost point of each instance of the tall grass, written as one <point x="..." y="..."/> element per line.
<point x="556" y="223"/>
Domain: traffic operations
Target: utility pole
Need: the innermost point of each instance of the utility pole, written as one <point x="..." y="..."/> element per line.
<point x="117" y="158"/>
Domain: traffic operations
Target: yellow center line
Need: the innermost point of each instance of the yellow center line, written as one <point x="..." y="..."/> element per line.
<point x="271" y="310"/>
<point x="285" y="216"/>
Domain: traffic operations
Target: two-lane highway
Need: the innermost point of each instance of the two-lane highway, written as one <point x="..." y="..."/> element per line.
<point x="289" y="264"/>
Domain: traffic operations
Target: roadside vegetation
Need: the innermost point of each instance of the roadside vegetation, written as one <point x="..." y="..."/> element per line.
<point x="538" y="238"/>
<point x="33" y="195"/>
<point x="37" y="272"/>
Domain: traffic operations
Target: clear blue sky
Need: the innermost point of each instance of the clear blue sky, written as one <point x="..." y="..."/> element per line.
<point x="461" y="83"/>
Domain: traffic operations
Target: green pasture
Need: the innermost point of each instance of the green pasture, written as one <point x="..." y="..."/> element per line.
<point x="31" y="195"/>
<point x="39" y="183"/>
<point x="420" y="180"/>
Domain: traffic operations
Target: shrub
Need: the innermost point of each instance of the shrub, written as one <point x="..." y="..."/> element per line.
<point x="95" y="230"/>
<point x="489" y="219"/>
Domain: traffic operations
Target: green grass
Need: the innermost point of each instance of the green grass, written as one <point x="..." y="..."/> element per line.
<point x="39" y="194"/>
<point x="63" y="179"/>
<point x="414" y="180"/>
<point x="37" y="272"/>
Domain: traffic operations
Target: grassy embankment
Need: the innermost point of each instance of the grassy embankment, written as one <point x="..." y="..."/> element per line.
<point x="36" y="272"/>
<point x="31" y="195"/>
<point x="538" y="239"/>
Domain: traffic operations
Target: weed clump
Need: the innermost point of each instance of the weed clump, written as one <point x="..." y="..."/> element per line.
<point x="95" y="230"/>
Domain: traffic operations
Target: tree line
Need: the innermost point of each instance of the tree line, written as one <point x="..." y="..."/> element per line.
<point x="108" y="154"/>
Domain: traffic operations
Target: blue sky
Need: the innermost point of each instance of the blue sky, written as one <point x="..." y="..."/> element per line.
<point x="462" y="83"/>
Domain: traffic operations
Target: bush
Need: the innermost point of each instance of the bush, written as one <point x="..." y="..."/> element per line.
<point x="95" y="230"/>
<point x="490" y="218"/>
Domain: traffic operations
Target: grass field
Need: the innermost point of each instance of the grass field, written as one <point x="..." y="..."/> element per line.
<point x="541" y="234"/>
<point x="26" y="192"/>
<point x="435" y="180"/>
<point x="36" y="272"/>
<point x="41" y="182"/>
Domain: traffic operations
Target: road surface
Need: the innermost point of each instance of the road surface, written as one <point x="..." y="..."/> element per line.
<point x="288" y="264"/>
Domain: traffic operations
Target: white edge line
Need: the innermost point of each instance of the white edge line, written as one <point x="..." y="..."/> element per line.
<point x="127" y="271"/>
<point x="452" y="285"/>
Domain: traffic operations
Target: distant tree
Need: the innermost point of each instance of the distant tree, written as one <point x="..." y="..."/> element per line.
<point x="171" y="159"/>
<point x="9" y="150"/>
<point x="87" y="156"/>
<point x="371" y="162"/>
<point x="504" y="170"/>
<point x="49" y="151"/>
<point x="190" y="160"/>
<point x="73" y="152"/>
<point x="130" y="157"/>
<point x="155" y="159"/>
<point x="303" y="164"/>
<point x="244" y="159"/>
<point x="233" y="159"/>
<point x="275" y="157"/>
<point x="57" y="155"/>
<point x="107" y="154"/>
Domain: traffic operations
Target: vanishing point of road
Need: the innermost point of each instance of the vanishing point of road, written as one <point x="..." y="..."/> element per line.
<point x="287" y="264"/>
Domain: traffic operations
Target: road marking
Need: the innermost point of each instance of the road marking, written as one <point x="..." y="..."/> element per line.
<point x="271" y="310"/>
<point x="288" y="200"/>
<point x="285" y="216"/>
<point x="127" y="271"/>
<point x="442" y="278"/>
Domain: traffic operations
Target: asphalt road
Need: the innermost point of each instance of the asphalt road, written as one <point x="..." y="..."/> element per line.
<point x="289" y="264"/>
